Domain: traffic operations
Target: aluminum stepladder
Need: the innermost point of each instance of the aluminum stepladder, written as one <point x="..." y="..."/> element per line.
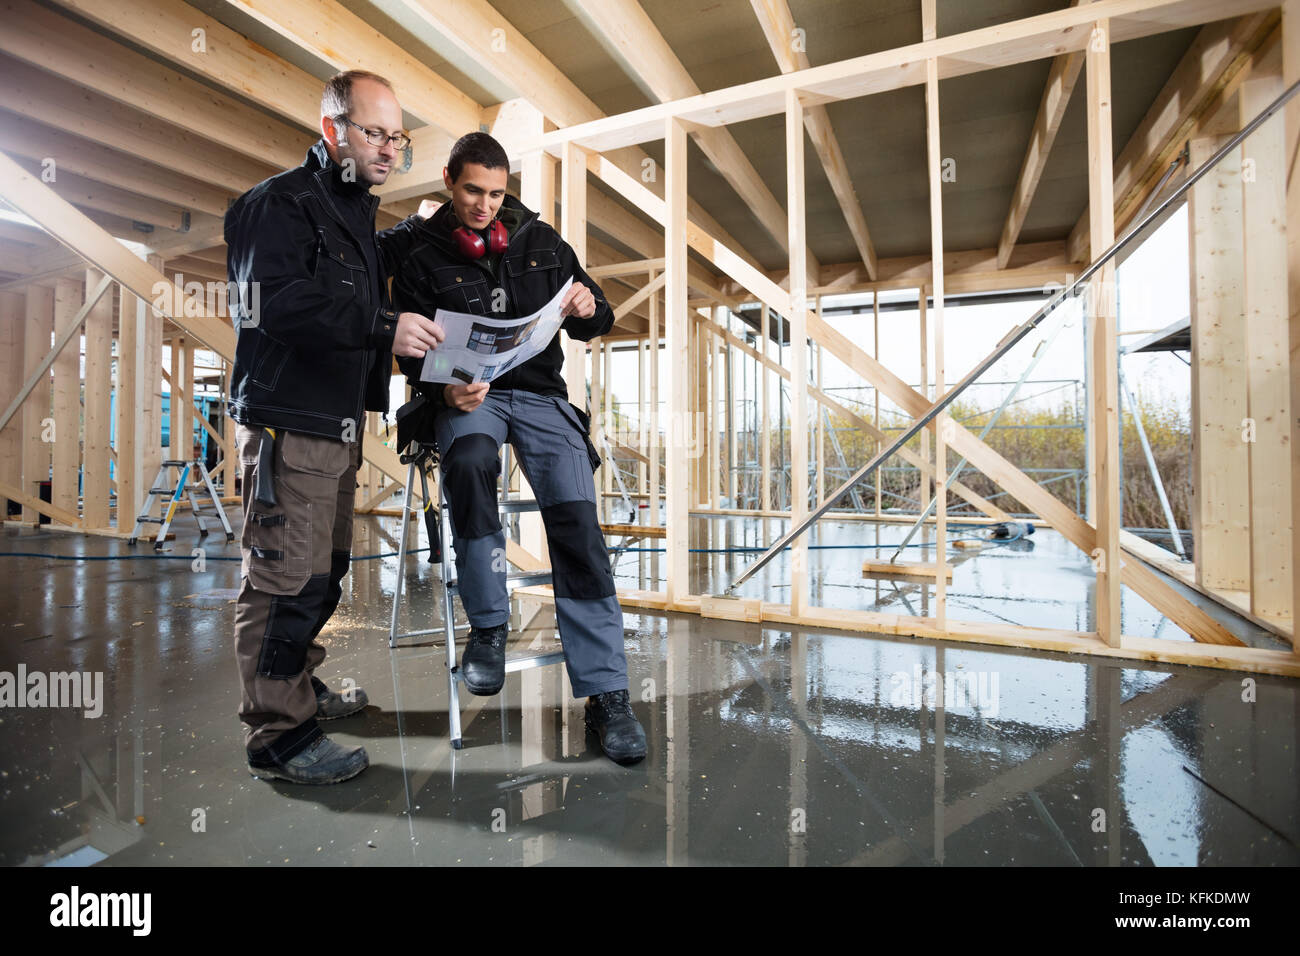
<point x="618" y="477"/>
<point x="172" y="500"/>
<point x="420" y="457"/>
<point x="628" y="539"/>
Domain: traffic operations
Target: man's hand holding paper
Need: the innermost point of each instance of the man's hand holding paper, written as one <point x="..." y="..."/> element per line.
<point x="578" y="301"/>
<point x="478" y="348"/>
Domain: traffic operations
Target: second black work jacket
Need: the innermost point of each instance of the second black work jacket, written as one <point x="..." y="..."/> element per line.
<point x="433" y="275"/>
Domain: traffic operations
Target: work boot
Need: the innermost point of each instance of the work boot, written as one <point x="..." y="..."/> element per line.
<point x="321" y="761"/>
<point x="483" y="665"/>
<point x="330" y="705"/>
<point x="609" y="716"/>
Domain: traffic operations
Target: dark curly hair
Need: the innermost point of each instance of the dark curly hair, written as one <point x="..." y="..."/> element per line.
<point x="477" y="148"/>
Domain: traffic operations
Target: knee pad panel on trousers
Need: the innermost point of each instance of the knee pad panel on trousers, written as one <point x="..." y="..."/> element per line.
<point x="579" y="559"/>
<point x="290" y="626"/>
<point x="340" y="561"/>
<point x="470" y="468"/>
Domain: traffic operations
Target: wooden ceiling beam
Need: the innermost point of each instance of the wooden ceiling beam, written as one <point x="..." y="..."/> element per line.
<point x="168" y="29"/>
<point x="778" y="26"/>
<point x="960" y="54"/>
<point x="1061" y="78"/>
<point x="73" y="154"/>
<point x="326" y="29"/>
<point x="33" y="238"/>
<point x="127" y="227"/>
<point x="81" y="191"/>
<point x="59" y="103"/>
<point x="477" y="29"/>
<point x="331" y="32"/>
<point x="192" y="268"/>
<point x="626" y="268"/>
<point x="626" y="27"/>
<point x="215" y="255"/>
<point x="1219" y="51"/>
<point x="970" y="270"/>
<point x="55" y="43"/>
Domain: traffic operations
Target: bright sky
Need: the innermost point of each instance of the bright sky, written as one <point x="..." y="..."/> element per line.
<point x="1153" y="293"/>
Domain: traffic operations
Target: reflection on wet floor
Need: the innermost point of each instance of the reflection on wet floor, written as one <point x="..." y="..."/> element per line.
<point x="767" y="745"/>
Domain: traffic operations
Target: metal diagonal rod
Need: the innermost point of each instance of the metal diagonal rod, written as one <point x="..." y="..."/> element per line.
<point x="1013" y="337"/>
<point x="839" y="453"/>
<point x="1126" y="395"/>
<point x="1039" y="352"/>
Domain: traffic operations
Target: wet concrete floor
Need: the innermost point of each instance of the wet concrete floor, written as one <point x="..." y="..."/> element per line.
<point x="767" y="745"/>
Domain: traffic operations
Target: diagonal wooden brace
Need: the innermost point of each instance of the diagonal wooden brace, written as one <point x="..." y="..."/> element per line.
<point x="1076" y="529"/>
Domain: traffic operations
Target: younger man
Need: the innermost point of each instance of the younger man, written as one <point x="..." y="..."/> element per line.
<point x="485" y="253"/>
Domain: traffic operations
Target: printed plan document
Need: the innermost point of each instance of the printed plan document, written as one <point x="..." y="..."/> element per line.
<point x="478" y="348"/>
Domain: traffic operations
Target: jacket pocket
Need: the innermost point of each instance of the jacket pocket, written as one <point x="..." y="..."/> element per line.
<point x="464" y="287"/>
<point x="535" y="276"/>
<point x="276" y="542"/>
<point x="537" y="260"/>
<point x="581" y="423"/>
<point x="340" y="265"/>
<point x="271" y="359"/>
<point x="311" y="455"/>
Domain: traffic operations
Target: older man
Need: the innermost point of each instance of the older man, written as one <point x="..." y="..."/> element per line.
<point x="310" y="360"/>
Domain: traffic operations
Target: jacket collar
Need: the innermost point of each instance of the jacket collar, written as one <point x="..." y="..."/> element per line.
<point x="317" y="157"/>
<point x="327" y="174"/>
<point x="330" y="173"/>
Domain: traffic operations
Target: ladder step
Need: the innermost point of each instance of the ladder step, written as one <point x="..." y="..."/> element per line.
<point x="535" y="577"/>
<point x="523" y="663"/>
<point x="195" y="490"/>
<point x="516" y="505"/>
<point x="529" y="661"/>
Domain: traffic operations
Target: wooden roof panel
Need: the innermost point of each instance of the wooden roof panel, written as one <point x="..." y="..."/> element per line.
<point x="986" y="117"/>
<point x="1138" y="71"/>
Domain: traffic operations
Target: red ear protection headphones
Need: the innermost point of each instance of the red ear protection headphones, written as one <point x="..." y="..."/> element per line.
<point x="470" y="244"/>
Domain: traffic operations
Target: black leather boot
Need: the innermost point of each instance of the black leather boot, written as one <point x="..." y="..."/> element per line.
<point x="609" y="716"/>
<point x="323" y="761"/>
<point x="483" y="665"/>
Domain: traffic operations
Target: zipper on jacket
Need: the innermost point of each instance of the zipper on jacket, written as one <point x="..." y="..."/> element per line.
<point x="367" y="354"/>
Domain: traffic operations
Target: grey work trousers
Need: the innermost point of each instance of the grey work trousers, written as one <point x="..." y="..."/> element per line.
<point x="548" y="440"/>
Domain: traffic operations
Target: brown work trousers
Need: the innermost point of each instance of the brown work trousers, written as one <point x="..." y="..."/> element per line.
<point x="295" y="555"/>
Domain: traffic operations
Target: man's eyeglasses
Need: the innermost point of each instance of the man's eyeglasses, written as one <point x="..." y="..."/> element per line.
<point x="377" y="137"/>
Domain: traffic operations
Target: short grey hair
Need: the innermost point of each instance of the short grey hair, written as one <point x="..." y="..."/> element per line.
<point x="336" y="99"/>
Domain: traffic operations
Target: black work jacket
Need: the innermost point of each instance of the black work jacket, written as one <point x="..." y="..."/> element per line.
<point x="433" y="275"/>
<point x="315" y="333"/>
